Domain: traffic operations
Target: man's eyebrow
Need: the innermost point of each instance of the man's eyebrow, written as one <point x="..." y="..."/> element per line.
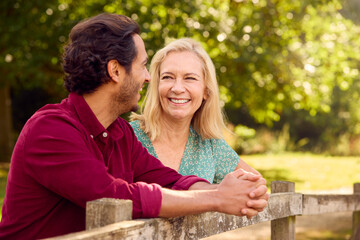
<point x="145" y="61"/>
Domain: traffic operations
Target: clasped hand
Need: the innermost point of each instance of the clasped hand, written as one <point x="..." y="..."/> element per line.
<point x="243" y="193"/>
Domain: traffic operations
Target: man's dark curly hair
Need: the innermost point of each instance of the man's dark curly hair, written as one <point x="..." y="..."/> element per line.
<point x="92" y="44"/>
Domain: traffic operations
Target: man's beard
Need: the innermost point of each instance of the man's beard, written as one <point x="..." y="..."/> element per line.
<point x="124" y="99"/>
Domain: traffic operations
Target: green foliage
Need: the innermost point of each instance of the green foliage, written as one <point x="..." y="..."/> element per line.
<point x="265" y="141"/>
<point x="269" y="54"/>
<point x="278" y="61"/>
<point x="295" y="54"/>
<point x="30" y="45"/>
<point x="274" y="59"/>
<point x="34" y="33"/>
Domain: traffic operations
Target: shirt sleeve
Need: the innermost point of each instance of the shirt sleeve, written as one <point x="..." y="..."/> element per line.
<point x="57" y="156"/>
<point x="226" y="159"/>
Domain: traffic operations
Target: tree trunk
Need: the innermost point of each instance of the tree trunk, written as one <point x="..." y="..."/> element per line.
<point x="6" y="140"/>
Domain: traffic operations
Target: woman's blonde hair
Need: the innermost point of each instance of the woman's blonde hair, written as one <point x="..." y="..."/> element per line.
<point x="208" y="120"/>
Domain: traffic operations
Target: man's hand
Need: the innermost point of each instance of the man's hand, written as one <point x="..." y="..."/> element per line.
<point x="259" y="198"/>
<point x="242" y="193"/>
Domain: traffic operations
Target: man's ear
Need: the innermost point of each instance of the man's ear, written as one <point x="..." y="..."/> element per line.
<point x="115" y="70"/>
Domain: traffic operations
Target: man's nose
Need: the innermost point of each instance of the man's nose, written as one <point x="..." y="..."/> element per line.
<point x="147" y="76"/>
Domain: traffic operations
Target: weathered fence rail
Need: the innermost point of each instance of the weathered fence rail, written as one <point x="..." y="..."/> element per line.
<point x="110" y="219"/>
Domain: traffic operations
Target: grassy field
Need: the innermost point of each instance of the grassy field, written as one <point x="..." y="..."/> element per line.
<point x="3" y="177"/>
<point x="309" y="172"/>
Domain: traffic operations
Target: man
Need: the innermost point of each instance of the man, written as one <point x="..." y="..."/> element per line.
<point x="80" y="150"/>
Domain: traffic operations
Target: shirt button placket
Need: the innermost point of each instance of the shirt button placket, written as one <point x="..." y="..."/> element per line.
<point x="105" y="134"/>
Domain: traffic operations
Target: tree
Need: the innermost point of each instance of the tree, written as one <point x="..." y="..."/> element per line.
<point x="33" y="34"/>
<point x="275" y="59"/>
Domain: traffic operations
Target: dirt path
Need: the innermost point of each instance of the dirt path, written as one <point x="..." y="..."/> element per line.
<point x="305" y="225"/>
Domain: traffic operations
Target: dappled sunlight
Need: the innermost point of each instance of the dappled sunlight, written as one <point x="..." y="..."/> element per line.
<point x="308" y="171"/>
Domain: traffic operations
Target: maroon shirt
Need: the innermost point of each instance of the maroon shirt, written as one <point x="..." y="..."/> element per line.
<point x="64" y="157"/>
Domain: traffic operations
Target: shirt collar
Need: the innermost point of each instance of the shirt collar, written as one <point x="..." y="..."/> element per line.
<point x="86" y="115"/>
<point x="90" y="121"/>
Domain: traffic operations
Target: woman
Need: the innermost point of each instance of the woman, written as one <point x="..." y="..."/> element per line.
<point x="181" y="123"/>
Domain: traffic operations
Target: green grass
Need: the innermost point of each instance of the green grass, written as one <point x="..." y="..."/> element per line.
<point x="328" y="235"/>
<point x="3" y="178"/>
<point x="308" y="171"/>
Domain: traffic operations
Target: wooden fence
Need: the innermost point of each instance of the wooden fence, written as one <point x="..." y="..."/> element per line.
<point x="110" y="219"/>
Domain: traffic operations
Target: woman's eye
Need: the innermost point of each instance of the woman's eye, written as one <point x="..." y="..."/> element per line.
<point x="165" y="77"/>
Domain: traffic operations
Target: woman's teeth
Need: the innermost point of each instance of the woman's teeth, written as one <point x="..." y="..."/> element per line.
<point x="179" y="100"/>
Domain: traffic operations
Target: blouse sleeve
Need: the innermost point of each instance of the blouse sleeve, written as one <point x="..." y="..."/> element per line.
<point x="225" y="157"/>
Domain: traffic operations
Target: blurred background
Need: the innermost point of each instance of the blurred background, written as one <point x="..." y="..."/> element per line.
<point x="288" y="70"/>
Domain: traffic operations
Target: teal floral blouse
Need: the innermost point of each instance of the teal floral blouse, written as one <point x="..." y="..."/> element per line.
<point x="211" y="159"/>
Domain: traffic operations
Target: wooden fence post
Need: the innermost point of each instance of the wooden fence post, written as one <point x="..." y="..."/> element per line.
<point x="356" y="217"/>
<point x="283" y="228"/>
<point x="106" y="211"/>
